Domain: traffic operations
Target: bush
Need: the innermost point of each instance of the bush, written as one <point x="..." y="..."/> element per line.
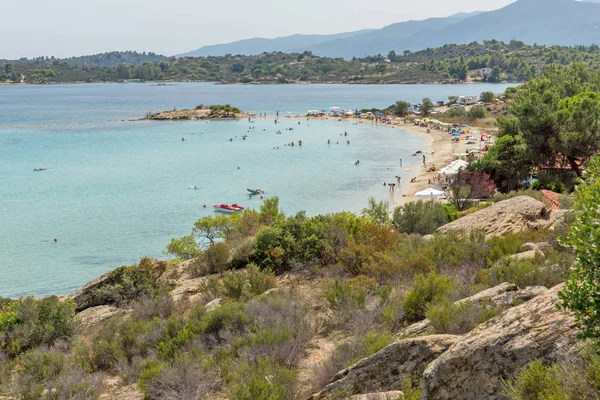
<point x="128" y="283"/>
<point x="349" y="293"/>
<point x="185" y="248"/>
<point x="185" y="380"/>
<point x="234" y="284"/>
<point x="378" y="211"/>
<point x="161" y="305"/>
<point x="27" y="323"/>
<point x="44" y="374"/>
<point x="420" y="217"/>
<point x="426" y="290"/>
<point x="526" y="272"/>
<point x="574" y="377"/>
<point x="264" y="380"/>
<point x="456" y="319"/>
<point x="477" y="112"/>
<point x="216" y="258"/>
<point x="260" y="281"/>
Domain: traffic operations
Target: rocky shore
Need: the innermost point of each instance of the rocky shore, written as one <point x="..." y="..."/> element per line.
<point x="201" y="112"/>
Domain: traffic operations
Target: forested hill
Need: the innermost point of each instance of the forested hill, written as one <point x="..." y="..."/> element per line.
<point x="490" y="61"/>
<point x="108" y="60"/>
<point x="548" y="22"/>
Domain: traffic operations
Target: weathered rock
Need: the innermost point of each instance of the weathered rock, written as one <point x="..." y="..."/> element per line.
<point x="85" y="297"/>
<point x="216" y="303"/>
<point x="503" y="295"/>
<point x="385" y="370"/>
<point x="200" y="112"/>
<point x="474" y="367"/>
<point x="186" y="288"/>
<point x="526" y="255"/>
<point x="175" y="274"/>
<point x="93" y="316"/>
<point x="514" y="215"/>
<point x="542" y="246"/>
<point x="393" y="395"/>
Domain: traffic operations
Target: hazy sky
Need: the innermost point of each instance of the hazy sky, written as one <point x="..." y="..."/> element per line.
<point x="64" y="28"/>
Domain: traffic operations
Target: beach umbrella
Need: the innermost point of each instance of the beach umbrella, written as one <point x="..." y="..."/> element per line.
<point x="459" y="164"/>
<point x="379" y="113"/>
<point x="335" y="108"/>
<point x="430" y="193"/>
<point x="464" y="125"/>
<point x="455" y="134"/>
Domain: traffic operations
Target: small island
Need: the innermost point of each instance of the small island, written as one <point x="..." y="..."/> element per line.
<point x="201" y="112"/>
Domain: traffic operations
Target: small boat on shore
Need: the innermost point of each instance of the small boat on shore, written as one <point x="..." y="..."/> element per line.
<point x="228" y="209"/>
<point x="256" y="191"/>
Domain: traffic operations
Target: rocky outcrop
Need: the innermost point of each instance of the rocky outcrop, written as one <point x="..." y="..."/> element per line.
<point x="93" y="316"/>
<point x="475" y="366"/>
<point x="85" y="298"/>
<point x="385" y="370"/>
<point x="199" y="113"/>
<point x="509" y="216"/>
<point x="503" y="295"/>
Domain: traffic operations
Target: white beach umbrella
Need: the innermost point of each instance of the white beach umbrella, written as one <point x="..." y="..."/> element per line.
<point x="430" y="193"/>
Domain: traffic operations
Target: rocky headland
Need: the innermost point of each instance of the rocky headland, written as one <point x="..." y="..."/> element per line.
<point x="201" y="112"/>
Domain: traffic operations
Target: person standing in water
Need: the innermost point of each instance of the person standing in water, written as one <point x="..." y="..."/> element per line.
<point x="423" y="159"/>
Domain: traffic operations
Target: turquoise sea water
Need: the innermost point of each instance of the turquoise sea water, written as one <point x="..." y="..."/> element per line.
<point x="117" y="190"/>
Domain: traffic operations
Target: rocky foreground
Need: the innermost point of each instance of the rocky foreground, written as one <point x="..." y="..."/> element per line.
<point x="466" y="366"/>
<point x="201" y="112"/>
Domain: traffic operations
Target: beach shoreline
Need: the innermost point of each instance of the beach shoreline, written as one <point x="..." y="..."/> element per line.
<point x="439" y="151"/>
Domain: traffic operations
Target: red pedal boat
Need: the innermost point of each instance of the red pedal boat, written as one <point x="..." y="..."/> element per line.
<point x="228" y="209"/>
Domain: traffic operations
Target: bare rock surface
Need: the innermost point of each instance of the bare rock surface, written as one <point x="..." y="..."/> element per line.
<point x="186" y="288"/>
<point x="503" y="295"/>
<point x="200" y="112"/>
<point x="85" y="298"/>
<point x="94" y="316"/>
<point x="474" y="367"/>
<point x="509" y="216"/>
<point x="385" y="370"/>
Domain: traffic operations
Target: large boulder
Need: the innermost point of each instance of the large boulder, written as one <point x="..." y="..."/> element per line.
<point x="92" y="317"/>
<point x="509" y="216"/>
<point x="85" y="297"/>
<point x="385" y="370"/>
<point x="503" y="295"/>
<point x="475" y="366"/>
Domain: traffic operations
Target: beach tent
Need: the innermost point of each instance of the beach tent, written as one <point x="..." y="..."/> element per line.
<point x="430" y="193"/>
<point x="459" y="164"/>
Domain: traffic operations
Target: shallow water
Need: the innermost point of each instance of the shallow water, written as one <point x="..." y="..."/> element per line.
<point x="116" y="190"/>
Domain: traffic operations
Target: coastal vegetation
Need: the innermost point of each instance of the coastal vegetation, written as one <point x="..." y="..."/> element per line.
<point x="550" y="129"/>
<point x="269" y="272"/>
<point x="490" y="61"/>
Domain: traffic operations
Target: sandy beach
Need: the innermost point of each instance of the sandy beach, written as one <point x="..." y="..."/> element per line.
<point x="439" y="152"/>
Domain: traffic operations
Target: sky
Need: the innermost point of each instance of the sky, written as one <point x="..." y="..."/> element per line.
<point x="65" y="28"/>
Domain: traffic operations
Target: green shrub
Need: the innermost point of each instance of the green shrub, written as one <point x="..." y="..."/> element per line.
<point x="420" y="217"/>
<point x="477" y="112"/>
<point x="234" y="284"/>
<point x="260" y="281"/>
<point x="378" y="211"/>
<point x="128" y="283"/>
<point x="349" y="292"/>
<point x="217" y="258"/>
<point x="185" y="248"/>
<point x="28" y="323"/>
<point x="184" y="380"/>
<point x="574" y="377"/>
<point x="426" y="290"/>
<point x="456" y="319"/>
<point x="263" y="380"/>
<point x="526" y="272"/>
<point x="371" y="344"/>
<point x="536" y="194"/>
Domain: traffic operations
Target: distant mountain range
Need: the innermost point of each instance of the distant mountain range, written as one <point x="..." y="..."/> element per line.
<point x="549" y="22"/>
